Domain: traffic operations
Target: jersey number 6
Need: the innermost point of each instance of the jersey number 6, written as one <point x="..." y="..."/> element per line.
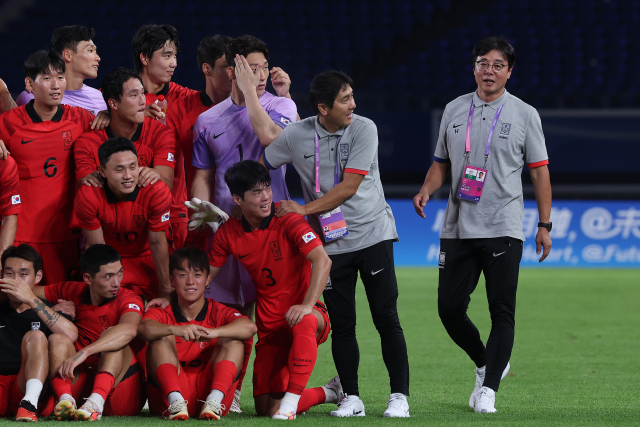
<point x="47" y="166"/>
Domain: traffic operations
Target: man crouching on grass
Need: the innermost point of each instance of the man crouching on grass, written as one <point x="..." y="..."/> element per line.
<point x="196" y="346"/>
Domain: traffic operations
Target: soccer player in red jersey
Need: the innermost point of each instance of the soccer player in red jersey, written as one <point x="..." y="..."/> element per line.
<point x="156" y="146"/>
<point x="10" y="202"/>
<point x="155" y="50"/>
<point x="195" y="348"/>
<point x="26" y="322"/>
<point x="278" y="253"/>
<point x="130" y="218"/>
<point x="107" y="319"/>
<point x="40" y="136"/>
<point x="181" y="116"/>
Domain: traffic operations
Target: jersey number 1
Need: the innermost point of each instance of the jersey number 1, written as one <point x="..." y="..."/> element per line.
<point x="239" y="147"/>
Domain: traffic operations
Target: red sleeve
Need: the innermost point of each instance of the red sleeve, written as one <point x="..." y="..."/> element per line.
<point x="69" y="291"/>
<point x="157" y="314"/>
<point x="164" y="147"/>
<point x="299" y="233"/>
<point x="10" y="202"/>
<point x="86" y="207"/>
<point x="224" y="315"/>
<point x="158" y="207"/>
<point x="129" y="303"/>
<point x="84" y="155"/>
<point x="220" y="248"/>
<point x="85" y="119"/>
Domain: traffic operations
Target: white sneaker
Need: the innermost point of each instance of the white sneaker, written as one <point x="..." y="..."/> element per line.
<point x="398" y="407"/>
<point x="480" y="372"/>
<point x="350" y="406"/>
<point x="333" y="390"/>
<point x="486" y="401"/>
<point x="235" y="405"/>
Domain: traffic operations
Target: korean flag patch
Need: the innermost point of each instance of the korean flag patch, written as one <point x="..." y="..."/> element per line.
<point x="285" y="121"/>
<point x="15" y="200"/>
<point x="165" y="217"/>
<point x="308" y="237"/>
<point x="134" y="306"/>
<point x="171" y="157"/>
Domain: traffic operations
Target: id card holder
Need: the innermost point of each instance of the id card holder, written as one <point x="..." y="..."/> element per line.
<point x="473" y="180"/>
<point x="333" y="225"/>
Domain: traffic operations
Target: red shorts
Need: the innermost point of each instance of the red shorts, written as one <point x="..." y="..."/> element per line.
<point x="60" y="260"/>
<point x="195" y="386"/>
<point x="270" y="370"/>
<point x="140" y="276"/>
<point x="11" y="396"/>
<point x="126" y="399"/>
<point x="179" y="234"/>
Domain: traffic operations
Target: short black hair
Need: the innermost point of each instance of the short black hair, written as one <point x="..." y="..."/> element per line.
<point x="325" y="87"/>
<point x="150" y="38"/>
<point x="210" y="49"/>
<point x="196" y="258"/>
<point x="25" y="252"/>
<point x="113" y="83"/>
<point x="246" y="176"/>
<point x="112" y="146"/>
<point x="68" y="37"/>
<point x="244" y="45"/>
<point x="500" y="44"/>
<point x="41" y="62"/>
<point x="96" y="256"/>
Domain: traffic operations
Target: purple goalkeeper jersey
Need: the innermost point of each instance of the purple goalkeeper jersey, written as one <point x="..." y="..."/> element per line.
<point x="87" y="97"/>
<point x="223" y="136"/>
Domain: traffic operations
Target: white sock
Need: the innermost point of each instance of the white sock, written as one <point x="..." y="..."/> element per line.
<point x="173" y="396"/>
<point x="32" y="392"/>
<point x="98" y="400"/>
<point x="289" y="403"/>
<point x="67" y="397"/>
<point x="216" y="395"/>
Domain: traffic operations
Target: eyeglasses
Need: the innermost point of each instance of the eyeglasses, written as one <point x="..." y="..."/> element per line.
<point x="483" y="66"/>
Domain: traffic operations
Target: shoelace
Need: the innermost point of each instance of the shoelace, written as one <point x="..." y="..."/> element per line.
<point x="90" y="405"/>
<point x="348" y="402"/>
<point x="485" y="394"/>
<point x="216" y="407"/>
<point x="175" y="406"/>
<point x="395" y="402"/>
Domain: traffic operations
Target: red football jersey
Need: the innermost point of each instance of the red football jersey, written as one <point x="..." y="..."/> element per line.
<point x="172" y="92"/>
<point x="43" y="152"/>
<point x="181" y="116"/>
<point x="275" y="257"/>
<point x="125" y="224"/>
<point x="195" y="355"/>
<point x="91" y="320"/>
<point x="155" y="144"/>
<point x="10" y="203"/>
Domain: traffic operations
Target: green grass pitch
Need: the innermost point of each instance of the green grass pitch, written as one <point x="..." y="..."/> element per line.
<point x="574" y="363"/>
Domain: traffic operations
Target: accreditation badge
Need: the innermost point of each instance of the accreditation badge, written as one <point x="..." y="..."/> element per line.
<point x="333" y="225"/>
<point x="472" y="183"/>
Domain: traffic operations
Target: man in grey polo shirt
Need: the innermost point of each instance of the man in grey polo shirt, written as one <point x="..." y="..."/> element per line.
<point x="343" y="148"/>
<point x="482" y="229"/>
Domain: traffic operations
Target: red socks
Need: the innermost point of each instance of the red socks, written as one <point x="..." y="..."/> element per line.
<point x="103" y="383"/>
<point x="303" y="354"/>
<point x="311" y="397"/>
<point x="248" y="345"/>
<point x="167" y="377"/>
<point x="60" y="387"/>
<point x="224" y="375"/>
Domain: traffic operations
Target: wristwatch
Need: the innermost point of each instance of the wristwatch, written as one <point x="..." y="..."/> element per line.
<point x="546" y="225"/>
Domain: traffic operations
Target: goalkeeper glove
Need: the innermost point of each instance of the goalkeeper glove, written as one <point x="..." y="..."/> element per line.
<point x="206" y="212"/>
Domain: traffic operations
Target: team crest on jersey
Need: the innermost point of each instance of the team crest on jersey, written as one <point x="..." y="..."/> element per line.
<point x="142" y="160"/>
<point x="285" y="121"/>
<point x="139" y="220"/>
<point x="35" y="326"/>
<point x="15" y="200"/>
<point x="506" y="127"/>
<point x="204" y="345"/>
<point x="275" y="250"/>
<point x="67" y="138"/>
<point x="308" y="237"/>
<point x="165" y="217"/>
<point x="104" y="322"/>
<point x="344" y="150"/>
<point x="171" y="157"/>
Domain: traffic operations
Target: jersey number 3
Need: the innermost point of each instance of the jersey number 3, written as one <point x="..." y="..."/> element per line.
<point x="270" y="280"/>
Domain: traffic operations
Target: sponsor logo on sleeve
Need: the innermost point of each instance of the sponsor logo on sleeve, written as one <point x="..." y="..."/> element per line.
<point x="165" y="217"/>
<point x="15" y="200"/>
<point x="285" y="121"/>
<point x="171" y="157"/>
<point x="134" y="306"/>
<point x="308" y="237"/>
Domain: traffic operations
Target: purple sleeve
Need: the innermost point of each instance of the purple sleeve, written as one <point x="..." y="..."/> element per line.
<point x="284" y="112"/>
<point x="24" y="98"/>
<point x="202" y="156"/>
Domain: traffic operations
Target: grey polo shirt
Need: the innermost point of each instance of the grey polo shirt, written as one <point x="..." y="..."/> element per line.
<point x="368" y="216"/>
<point x="517" y="139"/>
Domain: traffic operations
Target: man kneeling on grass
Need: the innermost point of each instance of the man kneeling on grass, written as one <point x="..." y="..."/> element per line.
<point x="196" y="346"/>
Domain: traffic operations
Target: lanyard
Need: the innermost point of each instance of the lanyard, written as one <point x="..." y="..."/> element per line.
<point x="493" y="126"/>
<point x="336" y="171"/>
